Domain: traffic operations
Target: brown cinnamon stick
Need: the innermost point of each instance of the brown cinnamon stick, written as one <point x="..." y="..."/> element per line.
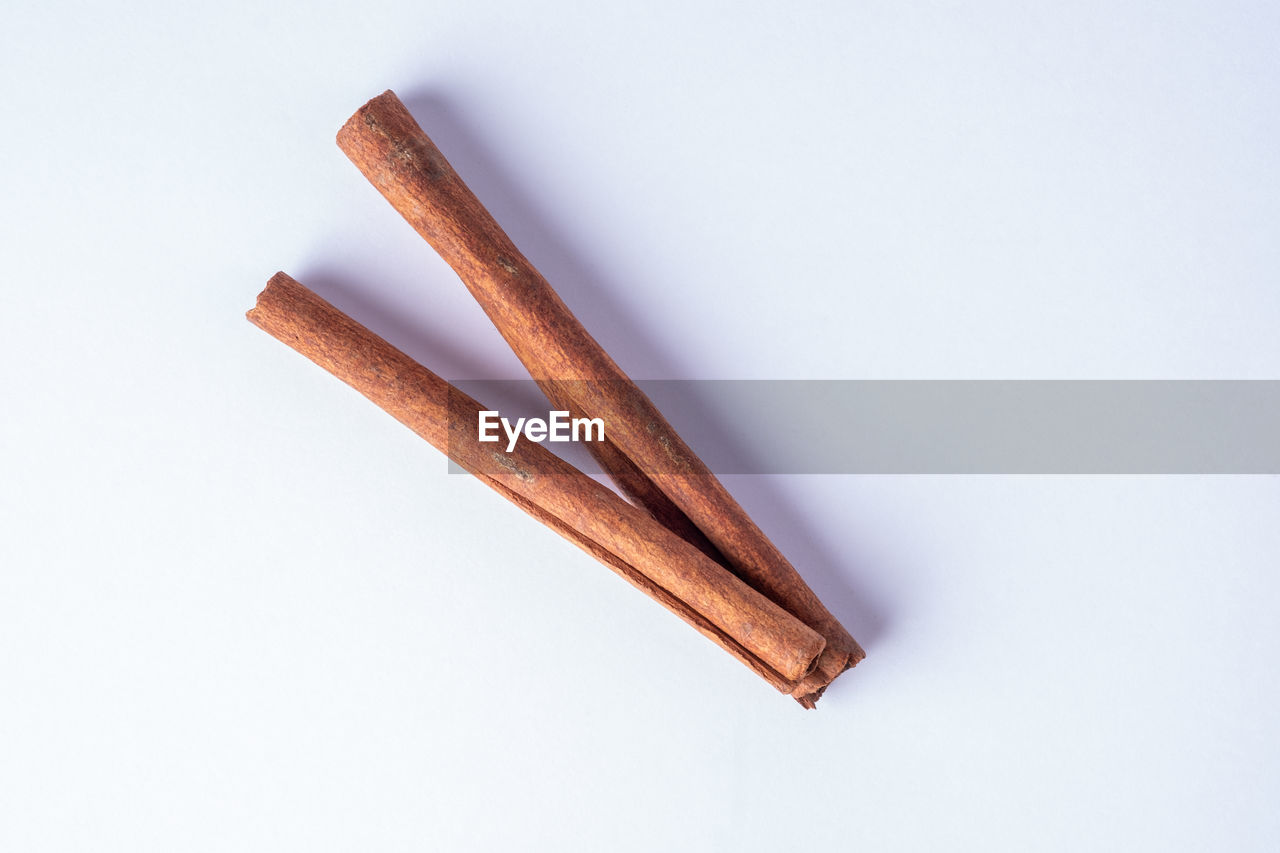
<point x="772" y="642"/>
<point x="651" y="463"/>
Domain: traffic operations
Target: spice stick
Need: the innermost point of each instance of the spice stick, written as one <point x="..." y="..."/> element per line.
<point x="398" y="158"/>
<point x="767" y="638"/>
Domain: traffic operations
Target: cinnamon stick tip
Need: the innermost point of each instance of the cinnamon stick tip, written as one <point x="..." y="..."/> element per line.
<point x="377" y="102"/>
<point x="280" y="279"/>
<point x="856" y="656"/>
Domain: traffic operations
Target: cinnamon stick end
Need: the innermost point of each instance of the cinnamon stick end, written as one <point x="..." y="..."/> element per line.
<point x="829" y="668"/>
<point x="280" y="280"/>
<point x="388" y="101"/>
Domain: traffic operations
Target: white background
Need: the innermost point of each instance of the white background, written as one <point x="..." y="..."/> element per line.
<point x="242" y="609"/>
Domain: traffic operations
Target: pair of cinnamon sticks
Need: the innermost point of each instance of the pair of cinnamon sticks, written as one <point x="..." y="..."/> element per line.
<point x="681" y="538"/>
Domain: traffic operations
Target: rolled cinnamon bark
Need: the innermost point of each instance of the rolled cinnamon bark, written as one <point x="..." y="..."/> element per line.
<point x="772" y="642"/>
<point x="652" y="464"/>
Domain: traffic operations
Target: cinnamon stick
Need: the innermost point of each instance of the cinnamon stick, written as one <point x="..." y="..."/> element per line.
<point x="772" y="642"/>
<point x="651" y="463"/>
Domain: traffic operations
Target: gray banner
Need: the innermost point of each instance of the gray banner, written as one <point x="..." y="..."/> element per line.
<point x="953" y="427"/>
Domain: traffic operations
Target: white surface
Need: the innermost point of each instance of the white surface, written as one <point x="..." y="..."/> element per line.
<point x="241" y="609"/>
